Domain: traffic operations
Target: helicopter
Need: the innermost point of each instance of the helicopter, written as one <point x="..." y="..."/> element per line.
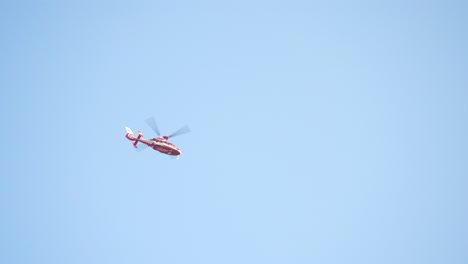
<point x="160" y="144"/>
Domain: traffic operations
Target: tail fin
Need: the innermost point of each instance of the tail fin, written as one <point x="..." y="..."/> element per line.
<point x="129" y="131"/>
<point x="131" y="136"/>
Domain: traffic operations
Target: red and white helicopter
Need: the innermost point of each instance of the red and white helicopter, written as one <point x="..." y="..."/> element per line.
<point x="160" y="144"/>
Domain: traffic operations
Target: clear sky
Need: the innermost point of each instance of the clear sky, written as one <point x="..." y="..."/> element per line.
<point x="322" y="132"/>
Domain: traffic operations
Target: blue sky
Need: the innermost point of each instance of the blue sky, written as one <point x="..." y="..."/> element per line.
<point x="322" y="132"/>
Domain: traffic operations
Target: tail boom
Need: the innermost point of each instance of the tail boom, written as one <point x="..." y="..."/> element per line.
<point x="131" y="136"/>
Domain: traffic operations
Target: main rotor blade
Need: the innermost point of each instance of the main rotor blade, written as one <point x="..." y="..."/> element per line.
<point x="152" y="123"/>
<point x="181" y="131"/>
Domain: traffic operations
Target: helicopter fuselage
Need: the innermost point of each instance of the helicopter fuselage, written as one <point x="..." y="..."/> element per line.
<point x="158" y="144"/>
